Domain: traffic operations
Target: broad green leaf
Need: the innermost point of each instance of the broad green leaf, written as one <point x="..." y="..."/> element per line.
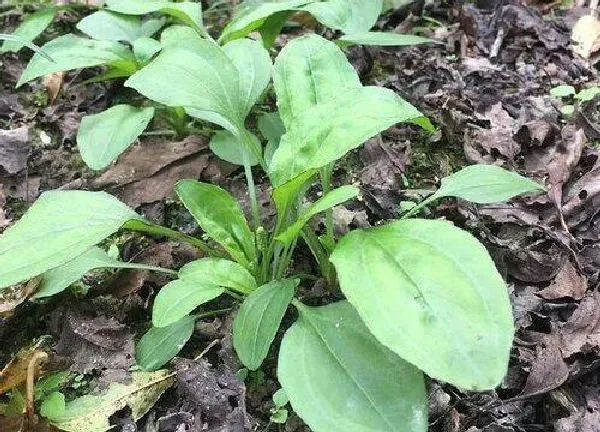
<point x="111" y="26"/>
<point x="339" y="378"/>
<point x="485" y="184"/>
<point x="258" y="320"/>
<point x="330" y="200"/>
<point x="431" y="293"/>
<point x="53" y="405"/>
<point x="229" y="148"/>
<point x="159" y="345"/>
<point x="177" y="34"/>
<point x="103" y="137"/>
<point x="587" y="94"/>
<point x="59" y="278"/>
<point x="220" y="216"/>
<point x="92" y="413"/>
<point x="251" y="16"/>
<point x="29" y="29"/>
<point x="310" y="70"/>
<point x="188" y="12"/>
<point x="195" y="74"/>
<point x="349" y="16"/>
<point x="562" y="91"/>
<point x="70" y="52"/>
<point x="327" y="131"/>
<point x="220" y="272"/>
<point x="180" y="297"/>
<point x="58" y="227"/>
<point x="145" y="48"/>
<point x="381" y="39"/>
<point x="254" y="68"/>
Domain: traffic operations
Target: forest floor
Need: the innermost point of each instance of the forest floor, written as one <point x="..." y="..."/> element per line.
<point x="486" y="86"/>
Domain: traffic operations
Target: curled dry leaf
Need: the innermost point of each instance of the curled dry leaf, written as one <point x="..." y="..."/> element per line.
<point x="14" y="373"/>
<point x="53" y="83"/>
<point x="568" y="283"/>
<point x="586" y="36"/>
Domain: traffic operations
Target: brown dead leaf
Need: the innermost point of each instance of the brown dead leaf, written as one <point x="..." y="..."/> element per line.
<point x="581" y="333"/>
<point x="53" y="83"/>
<point x="148" y="172"/>
<point x="14" y="149"/>
<point x="14" y="296"/>
<point x="494" y="144"/>
<point x="4" y="222"/>
<point x="567" y="155"/>
<point x="568" y="283"/>
<point x="581" y="421"/>
<point x="14" y="373"/>
<point x="548" y="370"/>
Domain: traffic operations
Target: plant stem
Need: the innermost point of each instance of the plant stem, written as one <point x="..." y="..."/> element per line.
<point x="251" y="191"/>
<point x="416" y="209"/>
<point x="214" y="313"/>
<point x="157" y="230"/>
<point x="325" y="175"/>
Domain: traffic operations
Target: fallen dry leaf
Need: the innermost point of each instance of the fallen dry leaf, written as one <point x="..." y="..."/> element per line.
<point x="14" y="373"/>
<point x="548" y="370"/>
<point x="14" y="149"/>
<point x="14" y="296"/>
<point x="586" y="36"/>
<point x="4" y="222"/>
<point x="568" y="283"/>
<point x="581" y="333"/>
<point x="53" y="83"/>
<point x="148" y="172"/>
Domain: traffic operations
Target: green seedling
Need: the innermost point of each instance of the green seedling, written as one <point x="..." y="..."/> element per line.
<point x="567" y="92"/>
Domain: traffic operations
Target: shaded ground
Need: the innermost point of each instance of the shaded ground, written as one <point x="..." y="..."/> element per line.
<point x="487" y="88"/>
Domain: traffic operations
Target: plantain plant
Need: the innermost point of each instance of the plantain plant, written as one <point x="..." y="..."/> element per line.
<point x="422" y="297"/>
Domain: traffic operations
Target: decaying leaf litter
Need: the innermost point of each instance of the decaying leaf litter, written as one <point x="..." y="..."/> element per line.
<point x="487" y="87"/>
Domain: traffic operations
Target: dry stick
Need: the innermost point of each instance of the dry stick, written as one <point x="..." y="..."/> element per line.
<point x="37" y="358"/>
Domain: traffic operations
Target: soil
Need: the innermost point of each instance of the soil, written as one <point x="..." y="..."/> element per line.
<point x="486" y="86"/>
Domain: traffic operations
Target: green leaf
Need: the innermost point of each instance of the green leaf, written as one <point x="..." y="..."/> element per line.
<point x="180" y="297"/>
<point x="188" y="12"/>
<point x="195" y="74"/>
<point x="53" y="405"/>
<point x="272" y="26"/>
<point x="254" y="68"/>
<point x="339" y="378"/>
<point x="251" y="16"/>
<point x="280" y="398"/>
<point x="103" y="137"/>
<point x="330" y="200"/>
<point x="220" y="272"/>
<point x="59" y="226"/>
<point x="229" y="148"/>
<point x="382" y="39"/>
<point x="145" y="48"/>
<point x="176" y="34"/>
<point x="431" y="293"/>
<point x="310" y="70"/>
<point x="258" y="320"/>
<point x="91" y="413"/>
<point x="286" y="195"/>
<point x="51" y="383"/>
<point x="562" y="91"/>
<point x="485" y="184"/>
<point x="70" y="52"/>
<point x="349" y="16"/>
<point x="587" y="94"/>
<point x="279" y="417"/>
<point x="111" y="26"/>
<point x="59" y="278"/>
<point x="220" y="216"/>
<point x="327" y="131"/>
<point x="272" y="128"/>
<point x="29" y="29"/>
<point x="160" y="345"/>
